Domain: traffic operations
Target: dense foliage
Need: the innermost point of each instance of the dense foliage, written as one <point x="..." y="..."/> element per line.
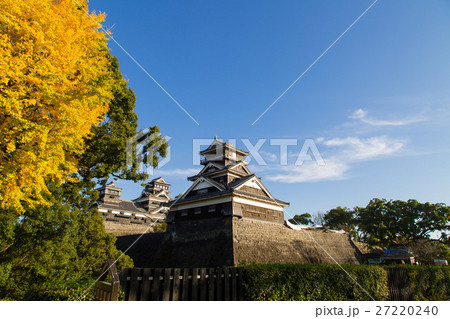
<point x="422" y="227"/>
<point x="302" y="219"/>
<point x="429" y="282"/>
<point x="55" y="85"/>
<point x="314" y="282"/>
<point x="53" y="246"/>
<point x="53" y="124"/>
<point x="330" y="282"/>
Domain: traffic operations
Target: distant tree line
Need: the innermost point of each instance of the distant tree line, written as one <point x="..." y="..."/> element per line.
<point x="422" y="227"/>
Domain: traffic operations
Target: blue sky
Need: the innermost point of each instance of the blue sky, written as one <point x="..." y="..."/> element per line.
<point x="376" y="104"/>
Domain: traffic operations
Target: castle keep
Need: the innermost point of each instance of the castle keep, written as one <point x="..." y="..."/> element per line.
<point x="228" y="217"/>
<point x="226" y="187"/>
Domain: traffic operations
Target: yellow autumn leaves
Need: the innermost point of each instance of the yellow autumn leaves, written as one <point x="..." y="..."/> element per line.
<point x="54" y="85"/>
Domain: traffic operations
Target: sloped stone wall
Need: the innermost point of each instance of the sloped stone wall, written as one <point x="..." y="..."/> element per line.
<point x="229" y="241"/>
<point x="262" y="242"/>
<point x="122" y="229"/>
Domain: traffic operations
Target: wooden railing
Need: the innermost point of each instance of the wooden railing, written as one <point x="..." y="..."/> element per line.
<point x="164" y="284"/>
<point x="108" y="291"/>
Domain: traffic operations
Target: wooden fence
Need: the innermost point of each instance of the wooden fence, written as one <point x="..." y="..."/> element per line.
<point x="163" y="284"/>
<point x="108" y="291"/>
<point x="215" y="284"/>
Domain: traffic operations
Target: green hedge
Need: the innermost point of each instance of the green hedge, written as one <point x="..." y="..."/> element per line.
<point x="314" y="282"/>
<point x="82" y="290"/>
<point x="63" y="291"/>
<point x="428" y="282"/>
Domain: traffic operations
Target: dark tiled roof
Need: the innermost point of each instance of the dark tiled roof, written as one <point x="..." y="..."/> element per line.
<point x="240" y="181"/>
<point x="203" y="196"/>
<point x="198" y="174"/>
<point x="261" y="197"/>
<point x="224" y="145"/>
<point x="225" y="192"/>
<point x="210" y="180"/>
<point x="123" y="205"/>
<point x="228" y="168"/>
<point x="159" y="180"/>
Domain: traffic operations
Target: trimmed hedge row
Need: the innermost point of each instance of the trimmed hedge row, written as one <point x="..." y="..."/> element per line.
<point x="314" y="282"/>
<point x="330" y="282"/>
<point x="429" y="282"/>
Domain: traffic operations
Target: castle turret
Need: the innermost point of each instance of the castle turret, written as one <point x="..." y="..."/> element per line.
<point x="154" y="197"/>
<point x="225" y="187"/>
<point x="222" y="153"/>
<point x="110" y="193"/>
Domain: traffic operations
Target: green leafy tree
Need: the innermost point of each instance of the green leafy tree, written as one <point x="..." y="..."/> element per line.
<point x="303" y="219"/>
<point x="340" y="218"/>
<point x="105" y="153"/>
<point x="396" y="222"/>
<point x="65" y="243"/>
<point x="422" y="227"/>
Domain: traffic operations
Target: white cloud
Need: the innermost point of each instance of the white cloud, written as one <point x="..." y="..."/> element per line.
<point x="347" y="151"/>
<point x="361" y="115"/>
<point x="312" y="172"/>
<point x="356" y="148"/>
<point x="268" y="156"/>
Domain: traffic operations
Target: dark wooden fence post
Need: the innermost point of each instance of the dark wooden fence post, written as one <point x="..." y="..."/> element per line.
<point x="166" y="284"/>
<point x="108" y="291"/>
<point x="147" y="276"/>
<point x="185" y="295"/>
<point x="176" y="285"/>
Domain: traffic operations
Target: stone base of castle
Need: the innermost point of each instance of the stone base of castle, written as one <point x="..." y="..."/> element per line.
<point x="229" y="241"/>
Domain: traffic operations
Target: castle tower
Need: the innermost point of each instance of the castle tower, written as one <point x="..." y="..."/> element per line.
<point x="228" y="217"/>
<point x="226" y="187"/>
<point x="155" y="196"/>
<point x="110" y="193"/>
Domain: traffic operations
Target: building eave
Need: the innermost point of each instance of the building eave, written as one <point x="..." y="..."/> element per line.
<point x="260" y="198"/>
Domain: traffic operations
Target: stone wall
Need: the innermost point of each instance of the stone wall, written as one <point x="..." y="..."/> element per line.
<point x="191" y="243"/>
<point x="262" y="242"/>
<point x="197" y="243"/>
<point x="229" y="241"/>
<point x="122" y="229"/>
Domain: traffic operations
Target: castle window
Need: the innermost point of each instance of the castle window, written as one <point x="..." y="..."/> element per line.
<point x="184" y="212"/>
<point x="197" y="211"/>
<point x="211" y="209"/>
<point x="112" y="191"/>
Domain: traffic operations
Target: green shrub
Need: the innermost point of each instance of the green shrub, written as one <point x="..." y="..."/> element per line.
<point x="63" y="291"/>
<point x="314" y="282"/>
<point x="83" y="290"/>
<point x="159" y="228"/>
<point x="428" y="282"/>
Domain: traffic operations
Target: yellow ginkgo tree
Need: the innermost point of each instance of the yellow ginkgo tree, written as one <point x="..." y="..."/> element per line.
<point x="54" y="86"/>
